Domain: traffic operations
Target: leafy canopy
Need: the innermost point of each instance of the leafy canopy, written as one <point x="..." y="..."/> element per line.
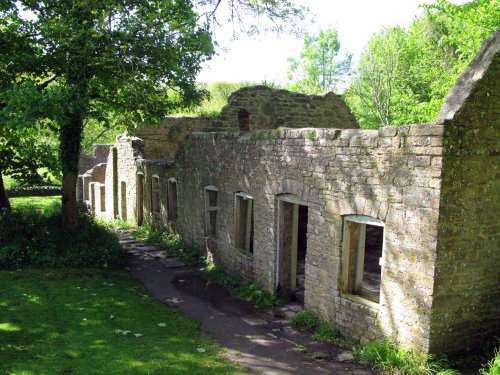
<point x="319" y="68"/>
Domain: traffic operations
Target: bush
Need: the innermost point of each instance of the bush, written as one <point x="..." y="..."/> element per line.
<point x="306" y="320"/>
<point x="32" y="238"/>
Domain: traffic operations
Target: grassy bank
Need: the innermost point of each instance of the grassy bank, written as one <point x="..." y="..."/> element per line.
<point x="91" y="321"/>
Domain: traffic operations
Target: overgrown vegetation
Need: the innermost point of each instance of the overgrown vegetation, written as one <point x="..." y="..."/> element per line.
<point x="493" y="366"/>
<point x="383" y="355"/>
<point x="35" y="203"/>
<point x="90" y="321"/>
<point x="30" y="236"/>
<point x="308" y="320"/>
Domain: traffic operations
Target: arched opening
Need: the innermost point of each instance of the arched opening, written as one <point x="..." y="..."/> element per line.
<point x="243" y="120"/>
<point x="123" y="196"/>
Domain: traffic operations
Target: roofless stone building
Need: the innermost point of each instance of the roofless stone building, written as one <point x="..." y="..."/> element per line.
<point x="382" y="232"/>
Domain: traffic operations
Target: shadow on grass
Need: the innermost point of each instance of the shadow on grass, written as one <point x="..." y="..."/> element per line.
<point x="94" y="322"/>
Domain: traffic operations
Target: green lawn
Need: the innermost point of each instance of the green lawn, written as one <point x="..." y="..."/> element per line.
<point x="96" y="322"/>
<point x="36" y="202"/>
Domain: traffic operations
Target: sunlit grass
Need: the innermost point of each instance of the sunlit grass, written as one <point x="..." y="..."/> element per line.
<point x="96" y="322"/>
<point x="38" y="203"/>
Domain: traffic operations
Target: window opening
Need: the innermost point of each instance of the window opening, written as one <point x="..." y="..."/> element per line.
<point x="362" y="252"/>
<point x="155" y="194"/>
<point x="92" y="198"/>
<point x="244" y="120"/>
<point x="103" y="198"/>
<point x="114" y="156"/>
<point x="243" y="221"/>
<point x="172" y="199"/>
<point x="123" y="196"/>
<point x="211" y="208"/>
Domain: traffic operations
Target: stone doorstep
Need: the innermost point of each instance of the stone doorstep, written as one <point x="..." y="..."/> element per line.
<point x="145" y="247"/>
<point x="253" y="321"/>
<point x="159" y="254"/>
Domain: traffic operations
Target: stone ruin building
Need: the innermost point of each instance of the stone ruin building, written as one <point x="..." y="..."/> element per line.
<point x="389" y="232"/>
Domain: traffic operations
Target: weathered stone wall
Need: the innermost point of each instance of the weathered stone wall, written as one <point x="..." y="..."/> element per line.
<point x="466" y="307"/>
<point x="161" y="142"/>
<point x="392" y="174"/>
<point x="99" y="155"/>
<point x="270" y="109"/>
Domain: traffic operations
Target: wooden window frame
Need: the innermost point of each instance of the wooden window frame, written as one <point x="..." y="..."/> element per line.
<point x="209" y="209"/>
<point x="247" y="239"/>
<point x="352" y="285"/>
<point x="155" y="194"/>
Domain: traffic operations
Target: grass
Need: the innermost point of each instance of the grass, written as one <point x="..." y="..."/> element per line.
<point x="31" y="237"/>
<point x="39" y="203"/>
<point x="493" y="366"/>
<point x="384" y="356"/>
<point x="90" y="321"/>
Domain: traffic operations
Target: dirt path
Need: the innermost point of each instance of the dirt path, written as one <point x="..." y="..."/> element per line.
<point x="263" y="346"/>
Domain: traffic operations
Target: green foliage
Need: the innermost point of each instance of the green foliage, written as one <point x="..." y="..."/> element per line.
<point x="216" y="97"/>
<point x="312" y="136"/>
<point x="252" y="292"/>
<point x="493" y="365"/>
<point x="326" y="332"/>
<point x="91" y="321"/>
<point x="404" y="75"/>
<point x="383" y="355"/>
<point x="31" y="237"/>
<point x="319" y="68"/>
<point x="306" y="320"/>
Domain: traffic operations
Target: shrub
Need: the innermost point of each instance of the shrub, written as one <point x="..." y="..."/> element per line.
<point x="306" y="320"/>
<point x="32" y="238"/>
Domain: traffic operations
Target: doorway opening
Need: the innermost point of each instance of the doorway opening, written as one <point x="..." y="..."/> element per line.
<point x="292" y="250"/>
<point x="140" y="199"/>
<point x="123" y="197"/>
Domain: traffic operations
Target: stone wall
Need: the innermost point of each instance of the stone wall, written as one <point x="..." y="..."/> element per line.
<point x="99" y="155"/>
<point x="161" y="142"/>
<point x="392" y="174"/>
<point x="466" y="307"/>
<point x="265" y="108"/>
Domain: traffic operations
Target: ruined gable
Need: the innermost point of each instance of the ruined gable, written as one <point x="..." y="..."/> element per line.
<point x="260" y="107"/>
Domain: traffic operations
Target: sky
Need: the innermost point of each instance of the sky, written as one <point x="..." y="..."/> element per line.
<point x="265" y="58"/>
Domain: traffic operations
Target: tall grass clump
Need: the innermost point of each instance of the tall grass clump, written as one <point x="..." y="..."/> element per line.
<point x="384" y="356"/>
<point x="493" y="366"/>
<point x="31" y="237"/>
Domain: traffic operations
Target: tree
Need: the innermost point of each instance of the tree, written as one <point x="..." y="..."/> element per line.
<point x="319" y="68"/>
<point x="90" y="59"/>
<point x="404" y="75"/>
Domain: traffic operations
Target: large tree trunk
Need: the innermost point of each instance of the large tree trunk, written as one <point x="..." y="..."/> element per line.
<point x="70" y="139"/>
<point x="4" y="199"/>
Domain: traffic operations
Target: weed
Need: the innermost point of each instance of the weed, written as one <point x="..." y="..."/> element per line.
<point x="312" y="136"/>
<point x="326" y="332"/>
<point x="306" y="320"/>
<point x="493" y="366"/>
<point x="272" y="136"/>
<point x="383" y="355"/>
